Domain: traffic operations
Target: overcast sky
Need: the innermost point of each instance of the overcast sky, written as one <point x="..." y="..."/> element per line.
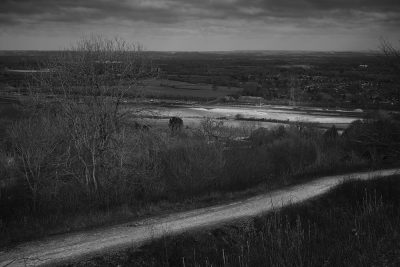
<point x="176" y="25"/>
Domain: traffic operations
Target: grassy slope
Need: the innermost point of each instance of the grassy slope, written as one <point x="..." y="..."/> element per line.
<point x="358" y="224"/>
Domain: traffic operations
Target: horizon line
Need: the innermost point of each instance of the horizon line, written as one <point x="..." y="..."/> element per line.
<point x="212" y="51"/>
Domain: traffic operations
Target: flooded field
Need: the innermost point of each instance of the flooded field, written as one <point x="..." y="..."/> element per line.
<point x="255" y="116"/>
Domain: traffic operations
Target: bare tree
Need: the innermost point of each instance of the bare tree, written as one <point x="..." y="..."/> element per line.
<point x="35" y="141"/>
<point x="215" y="130"/>
<point x="88" y="83"/>
<point x="392" y="55"/>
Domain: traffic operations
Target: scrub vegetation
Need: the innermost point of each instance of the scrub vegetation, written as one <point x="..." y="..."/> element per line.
<point x="71" y="158"/>
<point x="54" y="172"/>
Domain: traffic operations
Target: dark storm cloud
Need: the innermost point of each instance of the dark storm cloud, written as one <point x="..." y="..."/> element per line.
<point x="351" y="11"/>
<point x="81" y="11"/>
<point x="173" y="11"/>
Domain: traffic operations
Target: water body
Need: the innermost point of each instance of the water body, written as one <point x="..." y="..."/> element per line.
<point x="251" y="116"/>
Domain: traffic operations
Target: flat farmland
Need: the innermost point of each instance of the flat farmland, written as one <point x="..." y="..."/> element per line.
<point x="163" y="88"/>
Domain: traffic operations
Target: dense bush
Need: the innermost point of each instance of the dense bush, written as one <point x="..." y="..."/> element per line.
<point x="142" y="165"/>
<point x="376" y="140"/>
<point x="192" y="166"/>
<point x="279" y="155"/>
<point x="263" y="136"/>
<point x="290" y="156"/>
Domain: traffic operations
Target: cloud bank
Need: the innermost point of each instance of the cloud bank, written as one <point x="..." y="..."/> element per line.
<point x="220" y="22"/>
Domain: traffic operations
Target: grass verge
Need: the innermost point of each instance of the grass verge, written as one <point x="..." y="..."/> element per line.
<point x="357" y="224"/>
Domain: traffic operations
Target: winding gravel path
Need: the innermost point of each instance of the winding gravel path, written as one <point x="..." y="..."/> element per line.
<point x="74" y="246"/>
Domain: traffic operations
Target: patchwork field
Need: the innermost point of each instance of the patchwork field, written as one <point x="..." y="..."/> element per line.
<point x="163" y="88"/>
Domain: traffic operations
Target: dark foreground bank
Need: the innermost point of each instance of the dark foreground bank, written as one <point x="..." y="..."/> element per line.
<point x="357" y="224"/>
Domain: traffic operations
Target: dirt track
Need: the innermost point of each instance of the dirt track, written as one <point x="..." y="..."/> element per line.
<point x="75" y="246"/>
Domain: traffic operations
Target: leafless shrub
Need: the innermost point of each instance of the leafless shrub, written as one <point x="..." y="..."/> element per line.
<point x="90" y="80"/>
<point x="392" y="55"/>
<point x="215" y="129"/>
<point x="88" y="83"/>
<point x="35" y="142"/>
